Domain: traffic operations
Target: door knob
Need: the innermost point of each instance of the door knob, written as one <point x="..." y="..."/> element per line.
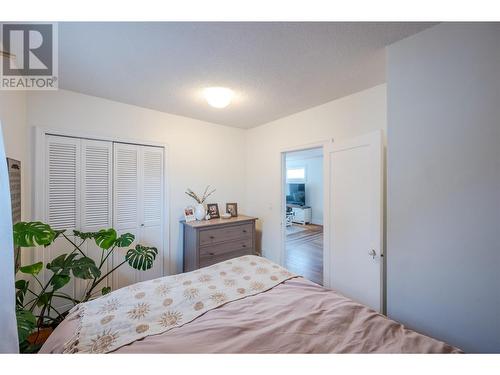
<point x="372" y="253"/>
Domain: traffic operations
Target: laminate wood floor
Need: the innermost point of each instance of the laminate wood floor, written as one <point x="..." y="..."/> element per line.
<point x="304" y="251"/>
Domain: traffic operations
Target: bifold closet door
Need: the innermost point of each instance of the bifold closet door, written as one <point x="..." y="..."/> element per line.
<point x="78" y="197"/>
<point x="96" y="198"/>
<point x="91" y="185"/>
<point x="62" y="202"/>
<point x="152" y="206"/>
<point x="126" y="207"/>
<point x="138" y="206"/>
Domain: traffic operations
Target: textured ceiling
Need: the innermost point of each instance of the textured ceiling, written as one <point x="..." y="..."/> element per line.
<point x="276" y="69"/>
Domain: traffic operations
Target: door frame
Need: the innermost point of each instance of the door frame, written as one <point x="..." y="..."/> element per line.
<point x="325" y="145"/>
<point x="38" y="186"/>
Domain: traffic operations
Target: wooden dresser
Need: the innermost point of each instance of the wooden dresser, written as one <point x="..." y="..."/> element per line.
<point x="207" y="242"/>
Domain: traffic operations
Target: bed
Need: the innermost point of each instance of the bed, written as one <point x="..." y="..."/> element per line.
<point x="293" y="315"/>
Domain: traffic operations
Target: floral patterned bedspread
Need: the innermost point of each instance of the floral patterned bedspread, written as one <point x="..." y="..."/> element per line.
<point x="156" y="306"/>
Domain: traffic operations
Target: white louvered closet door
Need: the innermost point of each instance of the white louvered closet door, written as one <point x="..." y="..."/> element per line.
<point x="91" y="185"/>
<point x="138" y="205"/>
<point x="151" y="208"/>
<point x="96" y="197"/>
<point x="62" y="199"/>
<point x="126" y="207"/>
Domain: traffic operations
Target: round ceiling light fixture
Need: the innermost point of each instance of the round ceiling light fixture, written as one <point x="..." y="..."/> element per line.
<point x="218" y="97"/>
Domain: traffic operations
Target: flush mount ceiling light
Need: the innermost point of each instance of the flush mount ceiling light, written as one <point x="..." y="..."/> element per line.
<point x="218" y="97"/>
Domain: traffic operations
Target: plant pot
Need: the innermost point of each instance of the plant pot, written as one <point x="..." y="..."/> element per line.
<point x="199" y="212"/>
<point x="39" y="337"/>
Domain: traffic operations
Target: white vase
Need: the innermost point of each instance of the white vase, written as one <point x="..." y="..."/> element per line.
<point x="199" y="212"/>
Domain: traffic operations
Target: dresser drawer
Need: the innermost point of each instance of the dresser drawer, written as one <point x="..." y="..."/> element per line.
<point x="226" y="247"/>
<point x="217" y="235"/>
<point x="208" y="260"/>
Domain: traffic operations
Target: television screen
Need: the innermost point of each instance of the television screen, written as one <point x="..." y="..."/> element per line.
<point x="296" y="194"/>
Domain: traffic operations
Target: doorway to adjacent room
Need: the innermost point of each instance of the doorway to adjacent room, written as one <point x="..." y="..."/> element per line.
<point x="303" y="214"/>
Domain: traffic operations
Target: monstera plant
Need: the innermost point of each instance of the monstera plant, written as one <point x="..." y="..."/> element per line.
<point x="35" y="309"/>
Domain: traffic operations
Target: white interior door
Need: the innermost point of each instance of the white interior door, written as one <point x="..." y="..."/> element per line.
<point x="356" y="221"/>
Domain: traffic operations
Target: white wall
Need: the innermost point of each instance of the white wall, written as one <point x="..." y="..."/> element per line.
<point x="13" y="118"/>
<point x="15" y="133"/>
<point x="313" y="184"/>
<point x="443" y="248"/>
<point x="200" y="153"/>
<point x="353" y="115"/>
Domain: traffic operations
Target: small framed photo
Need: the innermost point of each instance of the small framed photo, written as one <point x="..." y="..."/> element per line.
<point x="213" y="210"/>
<point x="189" y="214"/>
<point x="232" y="208"/>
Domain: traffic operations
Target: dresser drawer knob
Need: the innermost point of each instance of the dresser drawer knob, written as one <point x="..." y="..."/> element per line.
<point x="211" y="254"/>
<point x="244" y="230"/>
<point x="243" y="245"/>
<point x="212" y="237"/>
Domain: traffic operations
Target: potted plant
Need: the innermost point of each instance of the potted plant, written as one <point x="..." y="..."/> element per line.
<point x="35" y="311"/>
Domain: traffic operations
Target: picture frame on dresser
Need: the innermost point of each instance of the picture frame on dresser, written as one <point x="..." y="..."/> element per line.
<point x="213" y="210"/>
<point x="232" y="208"/>
<point x="189" y="214"/>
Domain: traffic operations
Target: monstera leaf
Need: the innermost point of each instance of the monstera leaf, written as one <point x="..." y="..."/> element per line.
<point x="125" y="240"/>
<point x="62" y="263"/>
<point x="141" y="257"/>
<point x="58" y="281"/>
<point x="21" y="289"/>
<point x="85" y="268"/>
<point x="32" y="269"/>
<point x="26" y="323"/>
<point x="84" y="235"/>
<point x="44" y="298"/>
<point x="105" y="238"/>
<point x="57" y="233"/>
<point x="28" y="234"/>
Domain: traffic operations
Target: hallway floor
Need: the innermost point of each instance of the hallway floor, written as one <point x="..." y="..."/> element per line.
<point x="304" y="251"/>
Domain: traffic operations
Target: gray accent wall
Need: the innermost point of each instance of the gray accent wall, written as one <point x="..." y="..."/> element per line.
<point x="443" y="240"/>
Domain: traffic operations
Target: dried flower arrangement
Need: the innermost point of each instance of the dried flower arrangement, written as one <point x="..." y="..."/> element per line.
<point x="204" y="197"/>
